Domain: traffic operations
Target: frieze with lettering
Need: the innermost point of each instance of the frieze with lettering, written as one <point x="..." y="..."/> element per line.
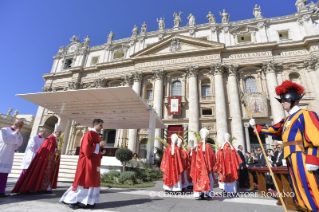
<point x="117" y="70"/>
<point x="290" y="53"/>
<point x="247" y="55"/>
<point x="178" y="60"/>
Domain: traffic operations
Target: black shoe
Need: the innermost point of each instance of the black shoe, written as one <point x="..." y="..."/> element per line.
<point x="3" y="195"/>
<point x="73" y="206"/>
<point x="81" y="205"/>
<point x="202" y="197"/>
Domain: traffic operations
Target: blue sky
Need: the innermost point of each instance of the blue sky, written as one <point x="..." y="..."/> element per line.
<point x="31" y="32"/>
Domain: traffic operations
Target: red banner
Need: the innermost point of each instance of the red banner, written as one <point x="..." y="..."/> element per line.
<point x="174" y="105"/>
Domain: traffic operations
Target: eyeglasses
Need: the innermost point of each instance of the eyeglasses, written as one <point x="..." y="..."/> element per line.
<point x="258" y="150"/>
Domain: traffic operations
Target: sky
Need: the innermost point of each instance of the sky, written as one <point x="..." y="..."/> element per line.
<point x="31" y="31"/>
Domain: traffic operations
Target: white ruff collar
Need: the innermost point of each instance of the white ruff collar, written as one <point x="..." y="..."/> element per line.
<point x="294" y="109"/>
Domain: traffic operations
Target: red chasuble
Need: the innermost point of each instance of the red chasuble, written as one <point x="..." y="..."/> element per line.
<point x="43" y="169"/>
<point x="202" y="164"/>
<point x="227" y="164"/>
<point x="171" y="166"/>
<point x="88" y="169"/>
<point x="188" y="171"/>
<point x="185" y="163"/>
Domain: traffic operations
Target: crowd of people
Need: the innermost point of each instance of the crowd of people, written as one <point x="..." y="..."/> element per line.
<point x="42" y="160"/>
<point x="296" y="146"/>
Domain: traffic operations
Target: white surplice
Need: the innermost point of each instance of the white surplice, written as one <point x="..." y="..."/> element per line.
<point x="176" y="187"/>
<point x="34" y="145"/>
<point x="9" y="142"/>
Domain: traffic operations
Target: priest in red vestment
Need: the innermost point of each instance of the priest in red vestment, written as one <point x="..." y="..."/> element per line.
<point x="227" y="165"/>
<point x="190" y="152"/>
<point x="42" y="174"/>
<point x="85" y="191"/>
<point x="185" y="162"/>
<point x="202" y="168"/>
<point x="172" y="166"/>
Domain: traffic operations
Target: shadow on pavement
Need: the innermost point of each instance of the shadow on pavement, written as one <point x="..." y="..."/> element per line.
<point x="125" y="203"/>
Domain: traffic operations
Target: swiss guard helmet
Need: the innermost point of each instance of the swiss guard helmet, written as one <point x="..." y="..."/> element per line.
<point x="289" y="91"/>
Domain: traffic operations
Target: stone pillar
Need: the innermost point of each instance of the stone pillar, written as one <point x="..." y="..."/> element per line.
<point x="137" y="77"/>
<point x="246" y="125"/>
<point x="276" y="108"/>
<point x="37" y="121"/>
<point x="237" y="130"/>
<point x="193" y="114"/>
<point x="311" y="68"/>
<point x="158" y="101"/>
<point x="220" y="102"/>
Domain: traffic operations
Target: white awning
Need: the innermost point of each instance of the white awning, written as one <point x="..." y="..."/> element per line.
<point x="118" y="107"/>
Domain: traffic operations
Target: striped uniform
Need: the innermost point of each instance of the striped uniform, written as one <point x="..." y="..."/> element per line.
<point x="302" y="127"/>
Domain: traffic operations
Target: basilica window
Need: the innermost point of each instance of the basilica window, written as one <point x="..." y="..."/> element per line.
<point x="94" y="60"/>
<point x="149" y="92"/>
<point x="295" y="77"/>
<point x="67" y="64"/>
<point x="283" y="35"/>
<point x="250" y="85"/>
<point x="177" y="88"/>
<point x="207" y="112"/>
<point x="206" y="88"/>
<point x="244" y="38"/>
<point x="118" y="54"/>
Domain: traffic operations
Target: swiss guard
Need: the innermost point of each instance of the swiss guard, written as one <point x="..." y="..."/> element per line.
<point x="300" y="134"/>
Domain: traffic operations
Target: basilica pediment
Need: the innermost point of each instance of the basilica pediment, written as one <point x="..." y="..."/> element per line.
<point x="177" y="44"/>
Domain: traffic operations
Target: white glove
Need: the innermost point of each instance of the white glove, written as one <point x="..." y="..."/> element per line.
<point x="311" y="167"/>
<point x="252" y="122"/>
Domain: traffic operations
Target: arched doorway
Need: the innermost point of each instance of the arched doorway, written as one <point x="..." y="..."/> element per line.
<point x="142" y="151"/>
<point x="49" y="125"/>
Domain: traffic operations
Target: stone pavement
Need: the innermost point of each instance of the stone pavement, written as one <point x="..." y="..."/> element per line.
<point x="147" y="199"/>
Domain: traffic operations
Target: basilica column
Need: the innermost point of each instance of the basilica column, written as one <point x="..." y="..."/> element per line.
<point x="237" y="130"/>
<point x="220" y="102"/>
<point x="158" y="100"/>
<point x="193" y="115"/>
<point x="311" y="68"/>
<point x="246" y="125"/>
<point x="137" y="77"/>
<point x="276" y="108"/>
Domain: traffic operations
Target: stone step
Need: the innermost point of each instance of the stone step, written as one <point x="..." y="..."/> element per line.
<point x="67" y="168"/>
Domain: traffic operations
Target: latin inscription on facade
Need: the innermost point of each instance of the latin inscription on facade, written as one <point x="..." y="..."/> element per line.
<point x="179" y="60"/>
<point x="117" y="70"/>
<point x="290" y="53"/>
<point x="247" y="55"/>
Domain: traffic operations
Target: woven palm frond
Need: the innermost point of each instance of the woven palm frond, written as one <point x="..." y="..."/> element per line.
<point x="159" y="139"/>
